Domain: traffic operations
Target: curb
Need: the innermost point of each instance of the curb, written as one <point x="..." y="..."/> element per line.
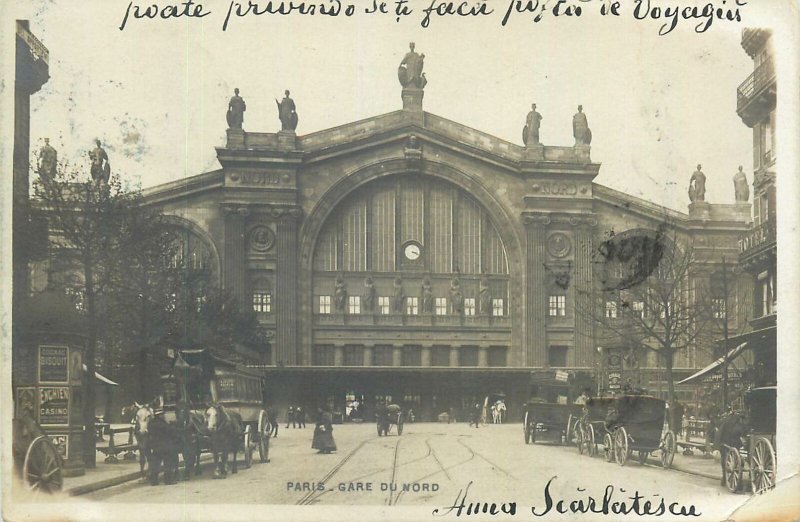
<point x="115" y="481"/>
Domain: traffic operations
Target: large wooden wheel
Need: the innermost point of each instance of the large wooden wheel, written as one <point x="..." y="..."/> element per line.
<point x="526" y="429"/>
<point x="571" y="431"/>
<point x="621" y="448"/>
<point x="668" y="448"/>
<point x="42" y="466"/>
<point x="248" y="445"/>
<point x="399" y="425"/>
<point x="762" y="466"/>
<point x="580" y="436"/>
<point x="733" y="470"/>
<point x="608" y="447"/>
<point x="589" y="443"/>
<point x="264" y="434"/>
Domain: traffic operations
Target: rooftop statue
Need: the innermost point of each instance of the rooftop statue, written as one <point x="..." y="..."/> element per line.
<point x="740" y="186"/>
<point x="287" y="113"/>
<point x="697" y="185"/>
<point x="101" y="169"/>
<point x="530" y="132"/>
<point x="580" y="128"/>
<point x="236" y="108"/>
<point x="410" y="71"/>
<point x="48" y="161"/>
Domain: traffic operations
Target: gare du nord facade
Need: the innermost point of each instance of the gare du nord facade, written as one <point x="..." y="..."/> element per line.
<point x="410" y="258"/>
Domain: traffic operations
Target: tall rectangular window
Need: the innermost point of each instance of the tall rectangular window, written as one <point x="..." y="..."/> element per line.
<point x="262" y="302"/>
<point x="468" y="356"/>
<point x="557" y="306"/>
<point x="412" y="356"/>
<point x="353" y="355"/>
<point x="469" y="231"/>
<point x="383" y="230"/>
<point x="441" y="229"/>
<point x="354" y="237"/>
<point x="469" y="306"/>
<point x="637" y="308"/>
<point x="324" y="304"/>
<point x="440" y="306"/>
<point x="354" y="304"/>
<point x="383" y="305"/>
<point x="412" y="305"/>
<point x="718" y="308"/>
<point x="557" y="356"/>
<point x="440" y="356"/>
<point x="496" y="356"/>
<point x="382" y="355"/>
<point x="611" y="310"/>
<point x="322" y="355"/>
<point x="498" y="307"/>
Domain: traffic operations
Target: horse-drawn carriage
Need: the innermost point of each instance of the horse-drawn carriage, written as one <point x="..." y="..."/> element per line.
<point x="36" y="458"/>
<point x="387" y="416"/>
<point x="626" y="423"/>
<point x="219" y="395"/>
<point x="552" y="410"/>
<point x="749" y="442"/>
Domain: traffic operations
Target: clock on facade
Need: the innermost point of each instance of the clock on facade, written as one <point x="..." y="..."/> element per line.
<point x="412" y="251"/>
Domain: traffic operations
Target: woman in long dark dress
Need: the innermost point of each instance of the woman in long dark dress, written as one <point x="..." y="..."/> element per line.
<point x="323" y="433"/>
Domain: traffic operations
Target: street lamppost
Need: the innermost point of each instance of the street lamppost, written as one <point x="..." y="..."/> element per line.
<point x="598" y="369"/>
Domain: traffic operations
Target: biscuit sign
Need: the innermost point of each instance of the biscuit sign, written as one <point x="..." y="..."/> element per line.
<point x="54" y="405"/>
<point x="53" y="364"/>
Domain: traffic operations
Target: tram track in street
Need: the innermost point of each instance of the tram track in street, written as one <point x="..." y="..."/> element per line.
<point x="392" y="482"/>
<point x="312" y="496"/>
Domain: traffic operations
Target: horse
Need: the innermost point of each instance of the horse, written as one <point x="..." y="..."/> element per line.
<point x="142" y="416"/>
<point x="165" y="442"/>
<point x="225" y="430"/>
<point x="191" y="427"/>
<point x="728" y="431"/>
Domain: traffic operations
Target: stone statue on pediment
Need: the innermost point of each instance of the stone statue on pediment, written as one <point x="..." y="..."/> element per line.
<point x="399" y="295"/>
<point x="740" y="186"/>
<point x="456" y="295"/>
<point x="697" y="185"/>
<point x="340" y="294"/>
<point x="287" y="113"/>
<point x="236" y="108"/>
<point x="427" y="296"/>
<point x="101" y="169"/>
<point x="48" y="161"/>
<point x="370" y="293"/>
<point x="485" y="296"/>
<point x="410" y="71"/>
<point x="580" y="128"/>
<point x="530" y="132"/>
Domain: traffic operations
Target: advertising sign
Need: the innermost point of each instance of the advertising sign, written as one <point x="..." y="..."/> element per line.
<point x="54" y="405"/>
<point x="26" y="399"/>
<point x="61" y="442"/>
<point x="53" y="364"/>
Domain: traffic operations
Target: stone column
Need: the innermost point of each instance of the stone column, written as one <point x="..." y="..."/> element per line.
<point x="286" y="299"/>
<point x="454" y="356"/>
<point x="483" y="360"/>
<point x="397" y="355"/>
<point x="535" y="336"/>
<point x="235" y="272"/>
<point x="338" y="355"/>
<point x="583" y="228"/>
<point x="368" y="352"/>
<point x="425" y="357"/>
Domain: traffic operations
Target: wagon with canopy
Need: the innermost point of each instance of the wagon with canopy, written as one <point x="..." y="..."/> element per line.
<point x="387" y="416"/>
<point x="199" y="378"/>
<point x="551" y="412"/>
<point x="630" y="423"/>
<point x="755" y="456"/>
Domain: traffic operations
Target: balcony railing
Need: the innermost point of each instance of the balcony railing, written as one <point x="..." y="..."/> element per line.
<point x="761" y="235"/>
<point x="762" y="76"/>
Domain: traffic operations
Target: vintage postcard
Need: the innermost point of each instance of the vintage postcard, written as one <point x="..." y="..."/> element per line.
<point x="399" y="260"/>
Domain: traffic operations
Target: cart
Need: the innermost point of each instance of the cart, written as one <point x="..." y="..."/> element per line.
<point x="591" y="431"/>
<point x="391" y="414"/>
<point x="556" y="421"/>
<point x="638" y="423"/>
<point x="756" y="455"/>
<point x="200" y="378"/>
<point x="36" y="458"/>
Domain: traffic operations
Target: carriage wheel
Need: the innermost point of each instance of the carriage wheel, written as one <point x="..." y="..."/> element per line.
<point x="643" y="456"/>
<point x="526" y="429"/>
<point x="608" y="447"/>
<point x="668" y="448"/>
<point x="762" y="466"/>
<point x="621" y="449"/>
<point x="579" y="438"/>
<point x="733" y="470"/>
<point x="248" y="446"/>
<point x="264" y="433"/>
<point x="589" y="441"/>
<point x="42" y="466"/>
<point x="533" y="431"/>
<point x="570" y="431"/>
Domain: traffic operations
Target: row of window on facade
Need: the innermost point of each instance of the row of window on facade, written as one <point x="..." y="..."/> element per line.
<point x="412" y="305"/>
<point x="409" y="355"/>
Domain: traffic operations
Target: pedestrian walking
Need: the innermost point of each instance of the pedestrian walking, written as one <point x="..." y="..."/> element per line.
<point x="290" y="418"/>
<point x="323" y="433"/>
<point x="300" y="416"/>
<point x="477" y="411"/>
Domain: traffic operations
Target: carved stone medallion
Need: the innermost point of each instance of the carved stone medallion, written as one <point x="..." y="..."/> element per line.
<point x="558" y="244"/>
<point x="261" y="238"/>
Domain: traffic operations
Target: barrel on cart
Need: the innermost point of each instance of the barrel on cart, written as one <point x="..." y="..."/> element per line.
<point x="388" y="416"/>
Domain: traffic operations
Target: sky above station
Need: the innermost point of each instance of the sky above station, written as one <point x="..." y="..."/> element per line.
<point x="156" y="92"/>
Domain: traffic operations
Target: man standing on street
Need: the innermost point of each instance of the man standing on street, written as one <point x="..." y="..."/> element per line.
<point x="290" y="417"/>
<point x="300" y="416"/>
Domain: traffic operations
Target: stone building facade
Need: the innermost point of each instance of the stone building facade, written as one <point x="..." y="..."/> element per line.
<point x="410" y="257"/>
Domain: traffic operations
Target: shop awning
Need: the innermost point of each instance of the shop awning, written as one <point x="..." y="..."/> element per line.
<point x="101" y="378"/>
<point x="716" y="364"/>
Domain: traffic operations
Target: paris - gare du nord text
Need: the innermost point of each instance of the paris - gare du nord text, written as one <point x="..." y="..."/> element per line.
<point x="412" y="259"/>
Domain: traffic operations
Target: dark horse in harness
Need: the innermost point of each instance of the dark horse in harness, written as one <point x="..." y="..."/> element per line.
<point x="225" y="431"/>
<point x="728" y="432"/>
<point x="191" y="429"/>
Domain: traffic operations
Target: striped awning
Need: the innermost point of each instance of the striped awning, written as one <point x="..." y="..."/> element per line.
<point x="716" y="364"/>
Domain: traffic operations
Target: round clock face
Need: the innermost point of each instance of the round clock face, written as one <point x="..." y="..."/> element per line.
<point x="412" y="252"/>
